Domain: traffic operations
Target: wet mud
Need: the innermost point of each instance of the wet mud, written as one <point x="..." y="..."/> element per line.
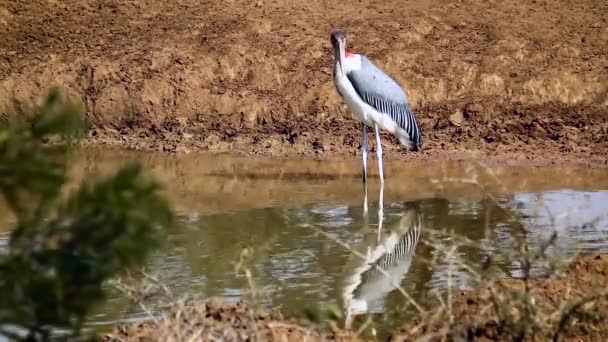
<point x="518" y="82"/>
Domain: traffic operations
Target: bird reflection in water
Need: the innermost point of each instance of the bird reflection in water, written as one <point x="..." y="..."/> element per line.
<point x="387" y="257"/>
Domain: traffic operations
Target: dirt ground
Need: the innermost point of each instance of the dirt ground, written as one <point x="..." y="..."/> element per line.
<point x="516" y="81"/>
<point x="572" y="306"/>
<point x="575" y="303"/>
<point x="216" y="321"/>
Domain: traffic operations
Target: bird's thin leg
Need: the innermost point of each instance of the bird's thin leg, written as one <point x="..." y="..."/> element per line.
<point x="364" y="152"/>
<point x="365" y="201"/>
<point x="379" y="151"/>
<point x="380" y="210"/>
<point x="364" y="156"/>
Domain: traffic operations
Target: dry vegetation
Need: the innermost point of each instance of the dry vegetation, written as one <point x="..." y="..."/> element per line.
<point x="568" y="306"/>
<point x="215" y="321"/>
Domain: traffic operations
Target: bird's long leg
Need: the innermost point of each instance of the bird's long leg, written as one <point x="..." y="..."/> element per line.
<point x="364" y="155"/>
<point x="364" y="152"/>
<point x="380" y="210"/>
<point x="379" y="151"/>
<point x="365" y="201"/>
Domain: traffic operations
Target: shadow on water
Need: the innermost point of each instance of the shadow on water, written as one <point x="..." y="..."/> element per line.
<point x="314" y="244"/>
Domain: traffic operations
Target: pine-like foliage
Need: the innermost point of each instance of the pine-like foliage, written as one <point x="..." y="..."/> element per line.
<point x="64" y="245"/>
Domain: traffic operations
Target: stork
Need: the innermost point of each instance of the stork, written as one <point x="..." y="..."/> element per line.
<point x="375" y="99"/>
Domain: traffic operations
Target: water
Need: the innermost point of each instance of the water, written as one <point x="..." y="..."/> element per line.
<point x="304" y="224"/>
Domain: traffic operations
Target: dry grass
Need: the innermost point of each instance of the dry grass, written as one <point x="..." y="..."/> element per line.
<point x="216" y="321"/>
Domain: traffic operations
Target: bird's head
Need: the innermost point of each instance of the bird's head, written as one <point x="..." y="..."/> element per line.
<point x="416" y="141"/>
<point x="338" y="43"/>
<point x="412" y="143"/>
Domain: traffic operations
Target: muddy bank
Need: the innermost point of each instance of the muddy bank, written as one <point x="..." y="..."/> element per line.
<point x="575" y="303"/>
<point x="572" y="306"/>
<point x="215" y="320"/>
<point x="516" y="81"/>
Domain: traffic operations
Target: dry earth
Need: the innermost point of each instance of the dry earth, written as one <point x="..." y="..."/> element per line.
<point x="572" y="306"/>
<point x="516" y="81"/>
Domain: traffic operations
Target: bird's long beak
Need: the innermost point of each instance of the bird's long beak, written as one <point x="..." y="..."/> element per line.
<point x="338" y="42"/>
<point x="341" y="54"/>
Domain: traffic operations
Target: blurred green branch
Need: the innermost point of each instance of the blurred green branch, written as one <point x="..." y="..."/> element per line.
<point x="61" y="250"/>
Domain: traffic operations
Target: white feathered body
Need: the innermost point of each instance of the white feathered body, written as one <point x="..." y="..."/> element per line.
<point x="379" y="89"/>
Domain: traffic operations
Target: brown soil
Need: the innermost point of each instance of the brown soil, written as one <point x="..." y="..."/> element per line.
<point x="516" y="81"/>
<point x="216" y="321"/>
<point x="584" y="283"/>
<point x="576" y="300"/>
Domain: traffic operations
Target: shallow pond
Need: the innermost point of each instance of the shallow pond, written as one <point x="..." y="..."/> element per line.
<point x="312" y="245"/>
